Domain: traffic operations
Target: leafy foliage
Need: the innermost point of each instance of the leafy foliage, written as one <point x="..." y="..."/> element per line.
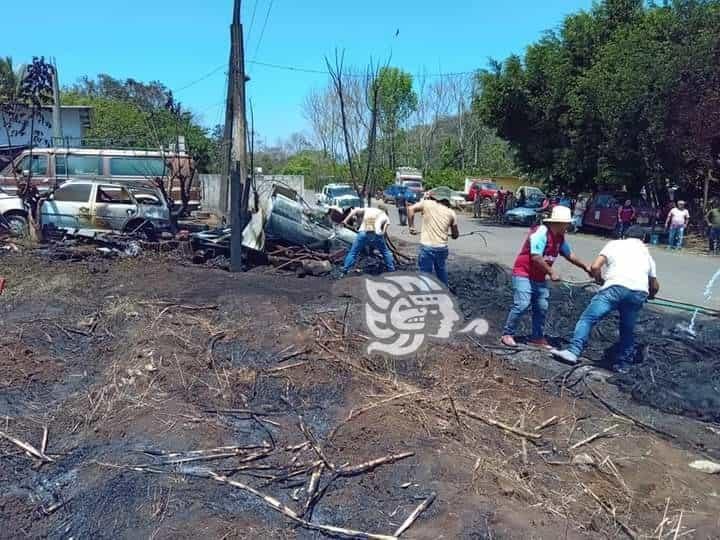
<point x="133" y="113"/>
<point x="604" y="100"/>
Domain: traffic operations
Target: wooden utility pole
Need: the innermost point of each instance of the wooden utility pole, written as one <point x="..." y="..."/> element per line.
<point x="238" y="141"/>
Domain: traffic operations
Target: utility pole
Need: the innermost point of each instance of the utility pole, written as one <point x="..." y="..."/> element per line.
<point x="56" y="113"/>
<point x="238" y="177"/>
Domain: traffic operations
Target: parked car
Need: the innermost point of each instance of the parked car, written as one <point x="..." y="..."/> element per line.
<point x="12" y="213"/>
<point x="602" y="211"/>
<point x="526" y="215"/>
<point x="483" y="190"/>
<point x="50" y="167"/>
<point x="340" y="195"/>
<point x="411" y="196"/>
<point x="457" y="198"/>
<point x="104" y="205"/>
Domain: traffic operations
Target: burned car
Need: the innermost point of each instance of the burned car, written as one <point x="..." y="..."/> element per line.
<point x="13" y="215"/>
<point x="102" y="205"/>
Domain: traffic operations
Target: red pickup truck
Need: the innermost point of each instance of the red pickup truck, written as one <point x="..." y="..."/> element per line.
<point x="482" y="190"/>
<point x="602" y="211"/>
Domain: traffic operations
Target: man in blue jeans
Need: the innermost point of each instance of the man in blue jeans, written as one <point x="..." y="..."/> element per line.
<point x="371" y="233"/>
<point x="438" y="220"/>
<point x="542" y="246"/>
<point x="629" y="280"/>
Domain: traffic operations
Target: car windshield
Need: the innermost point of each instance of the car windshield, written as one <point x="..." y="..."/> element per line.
<point x="489" y="186"/>
<point x="413" y="184"/>
<point x="341" y="192"/>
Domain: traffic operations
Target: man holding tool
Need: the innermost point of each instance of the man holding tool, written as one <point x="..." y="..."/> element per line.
<point x="629" y="280"/>
<point x="375" y="222"/>
<point x="532" y="266"/>
<point x="438" y="220"/>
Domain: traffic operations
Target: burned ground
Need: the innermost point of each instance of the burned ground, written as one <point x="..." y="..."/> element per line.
<point x="133" y="365"/>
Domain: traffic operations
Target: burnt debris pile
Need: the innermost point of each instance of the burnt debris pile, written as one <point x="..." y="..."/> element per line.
<point x="674" y="372"/>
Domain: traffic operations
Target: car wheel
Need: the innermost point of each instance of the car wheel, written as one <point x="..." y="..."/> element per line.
<point x="17" y="224"/>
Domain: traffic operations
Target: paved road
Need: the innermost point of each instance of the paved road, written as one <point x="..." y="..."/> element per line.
<point x="682" y="276"/>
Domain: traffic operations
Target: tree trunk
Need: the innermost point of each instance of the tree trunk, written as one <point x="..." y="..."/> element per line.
<point x="706" y="189"/>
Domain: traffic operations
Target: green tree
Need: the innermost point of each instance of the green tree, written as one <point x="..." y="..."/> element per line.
<point x="396" y="100"/>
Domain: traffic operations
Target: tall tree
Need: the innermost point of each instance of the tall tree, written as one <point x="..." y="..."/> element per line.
<point x="396" y="101"/>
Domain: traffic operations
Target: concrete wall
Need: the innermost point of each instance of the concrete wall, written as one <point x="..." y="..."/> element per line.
<point x="210" y="188"/>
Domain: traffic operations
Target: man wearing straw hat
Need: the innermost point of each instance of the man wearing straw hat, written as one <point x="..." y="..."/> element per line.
<point x="532" y="266"/>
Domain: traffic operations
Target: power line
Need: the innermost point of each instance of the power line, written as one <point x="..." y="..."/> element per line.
<point x="252" y="21"/>
<point x="262" y="32"/>
<point x="325" y="72"/>
<point x="201" y="79"/>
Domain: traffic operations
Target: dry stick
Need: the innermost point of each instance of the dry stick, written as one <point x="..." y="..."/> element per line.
<point x="292" y="355"/>
<point x="245" y="459"/>
<point x="289" y="366"/>
<point x="415" y="514"/>
<point x="315" y="446"/>
<point x="664" y="518"/>
<point x="43" y="444"/>
<point x="501" y="425"/>
<point x="524" y="441"/>
<point x="369" y="465"/>
<point x="291" y="514"/>
<point x="204" y="451"/>
<point x="546" y="423"/>
<point x="677" y="529"/>
<point x="354" y="413"/>
<point x="312" y="486"/>
<point x="27" y="447"/>
<point x="632" y="534"/>
<point x="591" y="438"/>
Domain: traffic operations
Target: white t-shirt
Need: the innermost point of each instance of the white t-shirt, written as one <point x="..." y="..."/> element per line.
<point x="374" y="220"/>
<point x="629" y="264"/>
<point x="677" y="217"/>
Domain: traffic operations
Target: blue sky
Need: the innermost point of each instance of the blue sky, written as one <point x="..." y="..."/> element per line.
<point x="184" y="43"/>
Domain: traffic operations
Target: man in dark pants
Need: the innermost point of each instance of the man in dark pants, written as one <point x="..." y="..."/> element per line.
<point x="438" y="220"/>
<point x="401" y="204"/>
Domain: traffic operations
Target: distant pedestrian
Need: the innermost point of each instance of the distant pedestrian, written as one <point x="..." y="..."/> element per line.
<point x="477" y="205"/>
<point x="579" y="211"/>
<point x="533" y="265"/>
<point x="373" y="228"/>
<point x="401" y="205"/>
<point x="629" y="280"/>
<point x="564" y="200"/>
<point x="509" y="200"/>
<point x="625" y="216"/>
<point x="676" y="223"/>
<point x="438" y="220"/>
<point x="522" y="199"/>
<point x="500" y="204"/>
<point x="712" y="218"/>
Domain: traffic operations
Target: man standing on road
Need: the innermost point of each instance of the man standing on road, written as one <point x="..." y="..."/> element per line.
<point x="438" y="220"/>
<point x="401" y="204"/>
<point x="713" y="221"/>
<point x="579" y="212"/>
<point x="372" y="232"/>
<point x="629" y="280"/>
<point x="532" y="266"/>
<point x="626" y="214"/>
<point x="677" y="220"/>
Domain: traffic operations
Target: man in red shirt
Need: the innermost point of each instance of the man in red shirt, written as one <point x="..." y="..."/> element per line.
<point x="625" y="216"/>
<point x="532" y="266"/>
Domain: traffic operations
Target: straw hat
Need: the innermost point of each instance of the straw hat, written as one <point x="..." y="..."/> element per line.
<point x="560" y="214"/>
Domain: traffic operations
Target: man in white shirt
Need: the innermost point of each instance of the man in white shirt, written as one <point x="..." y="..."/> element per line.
<point x="373" y="227"/>
<point x="677" y="219"/>
<point x="627" y="273"/>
